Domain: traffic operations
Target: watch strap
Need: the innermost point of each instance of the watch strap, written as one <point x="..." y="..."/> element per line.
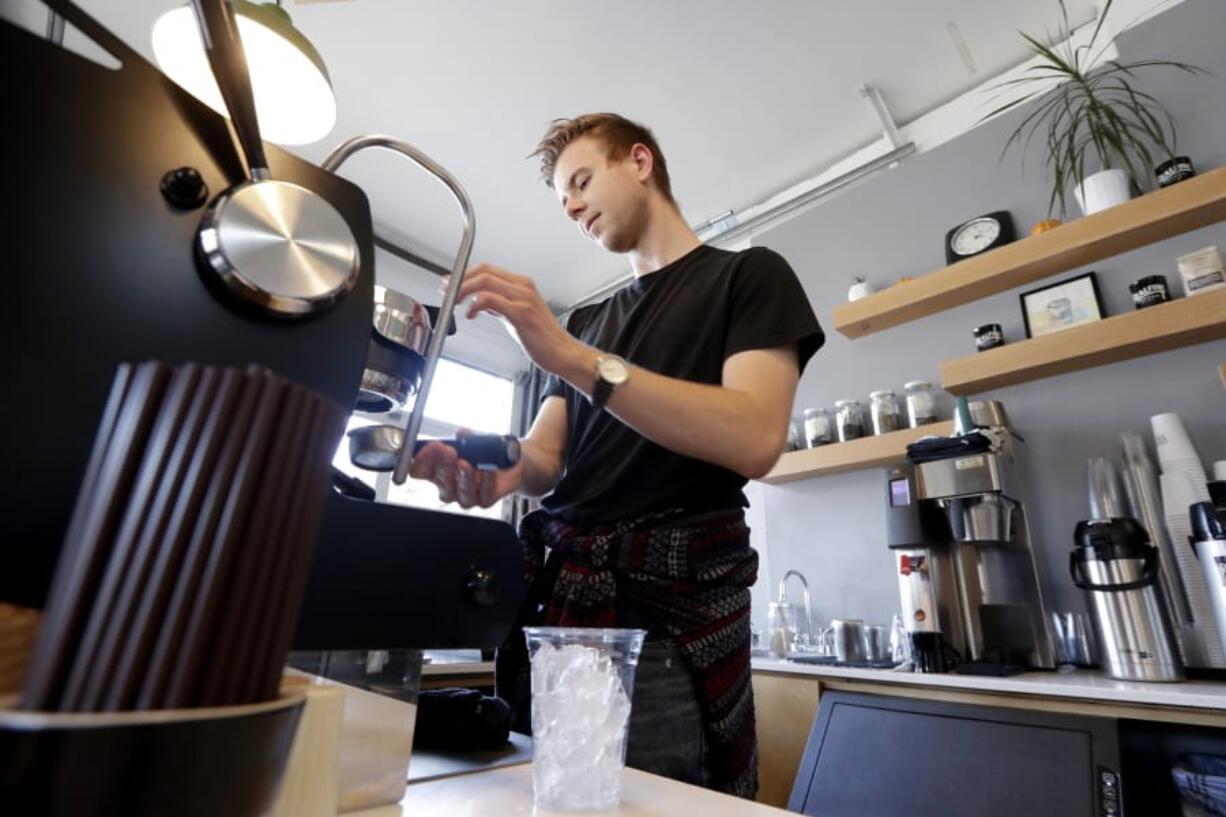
<point x="601" y="392"/>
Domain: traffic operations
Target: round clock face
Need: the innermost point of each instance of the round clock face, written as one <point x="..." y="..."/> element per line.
<point x="975" y="236"/>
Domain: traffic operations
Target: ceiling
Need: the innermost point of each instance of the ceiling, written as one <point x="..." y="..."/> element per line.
<point x="745" y="98"/>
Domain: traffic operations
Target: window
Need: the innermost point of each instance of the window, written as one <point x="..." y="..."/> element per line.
<point x="460" y="397"/>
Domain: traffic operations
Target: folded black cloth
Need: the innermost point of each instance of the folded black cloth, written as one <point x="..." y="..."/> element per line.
<point x="929" y="449"/>
<point x="459" y="720"/>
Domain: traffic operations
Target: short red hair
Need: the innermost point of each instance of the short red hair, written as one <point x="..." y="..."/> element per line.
<point x="619" y="135"/>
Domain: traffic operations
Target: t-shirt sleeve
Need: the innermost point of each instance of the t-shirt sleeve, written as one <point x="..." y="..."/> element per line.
<point x="769" y="308"/>
<point x="554" y="387"/>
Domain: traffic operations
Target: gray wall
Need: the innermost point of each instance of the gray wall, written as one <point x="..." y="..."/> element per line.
<point x="831" y="528"/>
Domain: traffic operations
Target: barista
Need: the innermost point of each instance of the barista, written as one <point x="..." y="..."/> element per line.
<point x="660" y="402"/>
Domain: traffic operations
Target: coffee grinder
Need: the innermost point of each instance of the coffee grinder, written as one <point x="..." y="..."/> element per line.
<point x="967" y="581"/>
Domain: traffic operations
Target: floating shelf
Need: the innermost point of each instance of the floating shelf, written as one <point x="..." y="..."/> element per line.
<point x="1183" y="207"/>
<point x="1182" y="322"/>
<point x="866" y="452"/>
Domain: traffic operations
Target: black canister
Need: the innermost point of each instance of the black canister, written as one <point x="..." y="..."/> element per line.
<point x="1148" y="291"/>
<point x="1174" y="170"/>
<point x="989" y="336"/>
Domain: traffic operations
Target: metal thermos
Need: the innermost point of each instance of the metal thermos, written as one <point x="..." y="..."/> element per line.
<point x="1208" y="540"/>
<point x="1117" y="567"/>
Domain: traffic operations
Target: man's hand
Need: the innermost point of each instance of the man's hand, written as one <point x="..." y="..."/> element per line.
<point x="458" y="480"/>
<point x="516" y="299"/>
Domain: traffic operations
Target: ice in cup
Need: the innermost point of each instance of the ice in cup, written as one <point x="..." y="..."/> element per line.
<point x="582" y="683"/>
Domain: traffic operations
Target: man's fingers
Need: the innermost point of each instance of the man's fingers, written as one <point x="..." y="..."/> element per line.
<point x="486" y="494"/>
<point x="424" y="462"/>
<point x="438" y="465"/>
<point x="507" y="284"/>
<point x="467" y="484"/>
<point x="489" y="302"/>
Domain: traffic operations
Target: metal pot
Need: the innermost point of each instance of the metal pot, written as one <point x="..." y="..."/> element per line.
<point x="401" y="319"/>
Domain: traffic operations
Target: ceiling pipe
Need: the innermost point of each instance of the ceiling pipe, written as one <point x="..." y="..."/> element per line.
<point x="734" y="229"/>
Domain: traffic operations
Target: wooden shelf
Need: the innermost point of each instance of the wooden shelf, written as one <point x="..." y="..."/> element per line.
<point x="1182" y="322"/>
<point x="1183" y="207"/>
<point x="866" y="452"/>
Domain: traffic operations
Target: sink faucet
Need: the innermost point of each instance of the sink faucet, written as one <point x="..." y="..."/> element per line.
<point x="783" y="597"/>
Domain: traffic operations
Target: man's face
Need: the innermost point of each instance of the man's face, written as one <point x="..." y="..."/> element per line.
<point x="606" y="199"/>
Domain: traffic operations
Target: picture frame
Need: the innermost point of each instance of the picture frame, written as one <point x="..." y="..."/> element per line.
<point x="1064" y="304"/>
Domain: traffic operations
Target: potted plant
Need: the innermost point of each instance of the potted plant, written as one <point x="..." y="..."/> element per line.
<point x="1095" y="119"/>
<point x="860" y="288"/>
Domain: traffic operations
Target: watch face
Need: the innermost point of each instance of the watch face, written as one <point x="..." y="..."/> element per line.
<point x="975" y="236"/>
<point x="613" y="370"/>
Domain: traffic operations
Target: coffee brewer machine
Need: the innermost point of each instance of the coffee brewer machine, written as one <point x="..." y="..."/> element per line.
<point x="132" y="236"/>
<point x="966" y="576"/>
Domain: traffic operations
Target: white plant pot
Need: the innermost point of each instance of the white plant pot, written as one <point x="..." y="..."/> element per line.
<point x="861" y="289"/>
<point x="1104" y="189"/>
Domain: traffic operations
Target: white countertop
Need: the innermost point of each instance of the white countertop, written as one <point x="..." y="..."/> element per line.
<point x="508" y="791"/>
<point x="1083" y="684"/>
<point x="434" y="765"/>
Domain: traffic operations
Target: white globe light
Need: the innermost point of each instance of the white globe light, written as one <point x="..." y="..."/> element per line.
<point x="293" y="97"/>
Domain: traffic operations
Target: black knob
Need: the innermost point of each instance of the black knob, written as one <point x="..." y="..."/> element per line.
<point x="184" y="188"/>
<point x="483" y="587"/>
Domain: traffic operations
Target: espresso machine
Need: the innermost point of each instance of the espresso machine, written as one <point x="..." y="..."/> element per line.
<point x="135" y="234"/>
<point x="967" y="582"/>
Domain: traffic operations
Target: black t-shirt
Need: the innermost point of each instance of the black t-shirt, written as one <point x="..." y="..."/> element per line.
<point x="683" y="320"/>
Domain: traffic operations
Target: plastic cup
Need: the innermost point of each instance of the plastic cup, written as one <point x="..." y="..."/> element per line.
<point x="582" y="684"/>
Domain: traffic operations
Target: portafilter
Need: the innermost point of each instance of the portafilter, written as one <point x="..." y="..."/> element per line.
<point x="377" y="448"/>
<point x="399" y="339"/>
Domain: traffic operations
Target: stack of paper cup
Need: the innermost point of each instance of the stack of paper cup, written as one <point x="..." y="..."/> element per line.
<point x="1183" y="483"/>
<point x="1175" y="449"/>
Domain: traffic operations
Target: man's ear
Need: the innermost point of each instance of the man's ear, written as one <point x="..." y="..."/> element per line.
<point x="644" y="161"/>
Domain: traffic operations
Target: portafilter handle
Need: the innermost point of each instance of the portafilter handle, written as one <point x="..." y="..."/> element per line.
<point x="435" y="348"/>
<point x="224" y="47"/>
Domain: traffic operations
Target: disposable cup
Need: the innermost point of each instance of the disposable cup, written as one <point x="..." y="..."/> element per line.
<point x="582" y="684"/>
<point x="1171" y="439"/>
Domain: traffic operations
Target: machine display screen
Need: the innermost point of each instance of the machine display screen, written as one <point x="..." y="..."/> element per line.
<point x="900" y="492"/>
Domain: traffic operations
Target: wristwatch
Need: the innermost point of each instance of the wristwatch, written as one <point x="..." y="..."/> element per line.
<point x="611" y="372"/>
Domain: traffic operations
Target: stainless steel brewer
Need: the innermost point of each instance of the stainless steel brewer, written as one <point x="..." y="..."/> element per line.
<point x="967" y="582"/>
<point x="1117" y="567"/>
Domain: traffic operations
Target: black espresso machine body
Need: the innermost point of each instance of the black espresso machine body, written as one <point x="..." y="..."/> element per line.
<point x="105" y="271"/>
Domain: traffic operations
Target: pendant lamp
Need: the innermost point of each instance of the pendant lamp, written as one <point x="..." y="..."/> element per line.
<point x="293" y="93"/>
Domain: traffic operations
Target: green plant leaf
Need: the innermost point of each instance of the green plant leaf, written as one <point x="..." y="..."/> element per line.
<point x="1050" y="55"/>
<point x="1087" y="111"/>
<point x="1102" y="18"/>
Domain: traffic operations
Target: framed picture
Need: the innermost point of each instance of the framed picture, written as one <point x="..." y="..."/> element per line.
<point x="1059" y="306"/>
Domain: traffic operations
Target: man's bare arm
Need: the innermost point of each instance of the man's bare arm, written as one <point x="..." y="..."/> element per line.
<point x="543" y="450"/>
<point x="741" y="424"/>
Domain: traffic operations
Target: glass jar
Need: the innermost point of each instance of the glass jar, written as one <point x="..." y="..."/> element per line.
<point x="819" y="428"/>
<point x="884" y="411"/>
<point x="847" y="420"/>
<point x="921" y="406"/>
<point x="796" y="437"/>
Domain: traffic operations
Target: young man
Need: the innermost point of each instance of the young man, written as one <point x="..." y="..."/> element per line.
<point x="661" y="401"/>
